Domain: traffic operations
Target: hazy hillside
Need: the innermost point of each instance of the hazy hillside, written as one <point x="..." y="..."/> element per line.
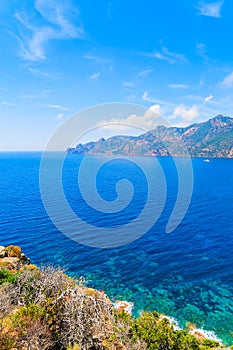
<point x="213" y="138"/>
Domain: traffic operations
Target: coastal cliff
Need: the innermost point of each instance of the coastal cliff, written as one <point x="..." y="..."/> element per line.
<point x="45" y="309"/>
<point x="210" y="139"/>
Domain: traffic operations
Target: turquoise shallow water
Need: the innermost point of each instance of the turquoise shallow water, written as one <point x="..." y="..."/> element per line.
<point x="186" y="274"/>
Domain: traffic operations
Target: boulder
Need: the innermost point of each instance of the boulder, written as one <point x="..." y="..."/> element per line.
<point x="11" y="258"/>
<point x="10" y="263"/>
<point x="2" y="251"/>
<point x="24" y="259"/>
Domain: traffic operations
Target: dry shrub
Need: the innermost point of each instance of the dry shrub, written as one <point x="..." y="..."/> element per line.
<point x="13" y="251"/>
<point x="86" y="319"/>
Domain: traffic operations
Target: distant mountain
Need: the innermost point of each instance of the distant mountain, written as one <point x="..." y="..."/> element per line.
<point x="213" y="138"/>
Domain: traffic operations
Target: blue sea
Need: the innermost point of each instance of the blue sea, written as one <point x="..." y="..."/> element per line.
<point x="186" y="274"/>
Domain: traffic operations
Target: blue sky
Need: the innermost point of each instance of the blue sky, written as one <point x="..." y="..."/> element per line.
<point x="59" y="57"/>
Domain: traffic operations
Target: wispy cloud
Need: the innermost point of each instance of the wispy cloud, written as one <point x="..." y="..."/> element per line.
<point x="62" y="108"/>
<point x="95" y="75"/>
<point x="41" y="74"/>
<point x="128" y="84"/>
<point x="93" y="56"/>
<point x="166" y="55"/>
<point x="165" y="104"/>
<point x="42" y="94"/>
<point x="201" y="51"/>
<point x="61" y="23"/>
<point x="227" y="82"/>
<point x="147" y="98"/>
<point x="7" y="104"/>
<point x="144" y="73"/>
<point x="193" y="98"/>
<point x="208" y="98"/>
<point x="211" y="9"/>
<point x="59" y="116"/>
<point x="178" y="86"/>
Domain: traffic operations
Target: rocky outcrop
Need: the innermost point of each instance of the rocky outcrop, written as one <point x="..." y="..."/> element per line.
<point x="46" y="309"/>
<point x="12" y="258"/>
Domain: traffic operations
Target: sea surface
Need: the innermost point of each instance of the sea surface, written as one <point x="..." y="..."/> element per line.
<point x="186" y="274"/>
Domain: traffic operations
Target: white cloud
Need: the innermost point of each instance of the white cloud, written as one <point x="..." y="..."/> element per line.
<point x="144" y="73"/>
<point x="128" y="84"/>
<point x="7" y="104"/>
<point x="211" y="9"/>
<point x="39" y="73"/>
<point x="57" y="107"/>
<point x="201" y="51"/>
<point x="186" y="114"/>
<point x="95" y="75"/>
<point x="148" y="121"/>
<point x="147" y="98"/>
<point x="60" y="23"/>
<point x="93" y="56"/>
<point x="177" y="86"/>
<point x="41" y="94"/>
<point x="168" y="56"/>
<point x="208" y="98"/>
<point x="227" y="82"/>
<point x="59" y="116"/>
<point x="170" y="115"/>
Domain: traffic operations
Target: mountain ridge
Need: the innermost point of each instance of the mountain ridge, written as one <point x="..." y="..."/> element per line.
<point x="210" y="139"/>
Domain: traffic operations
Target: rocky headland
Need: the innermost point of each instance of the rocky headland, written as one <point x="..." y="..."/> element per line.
<point x="210" y="139"/>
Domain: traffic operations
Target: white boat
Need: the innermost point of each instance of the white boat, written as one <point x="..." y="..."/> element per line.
<point x="206" y="160"/>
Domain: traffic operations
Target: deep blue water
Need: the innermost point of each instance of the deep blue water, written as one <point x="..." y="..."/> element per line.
<point x="186" y="274"/>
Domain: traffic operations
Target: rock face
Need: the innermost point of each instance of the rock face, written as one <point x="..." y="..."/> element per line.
<point x="2" y="251"/>
<point x="213" y="138"/>
<point x="11" y="258"/>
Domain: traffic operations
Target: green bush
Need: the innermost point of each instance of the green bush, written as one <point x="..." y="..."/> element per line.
<point x="159" y="335"/>
<point x="7" y="276"/>
<point x="209" y="344"/>
<point x="32" y="311"/>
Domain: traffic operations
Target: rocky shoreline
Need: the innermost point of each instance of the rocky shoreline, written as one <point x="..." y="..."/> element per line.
<point x="13" y="260"/>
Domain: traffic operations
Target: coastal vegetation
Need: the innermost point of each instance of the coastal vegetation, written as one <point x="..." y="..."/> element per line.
<point x="45" y="309"/>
